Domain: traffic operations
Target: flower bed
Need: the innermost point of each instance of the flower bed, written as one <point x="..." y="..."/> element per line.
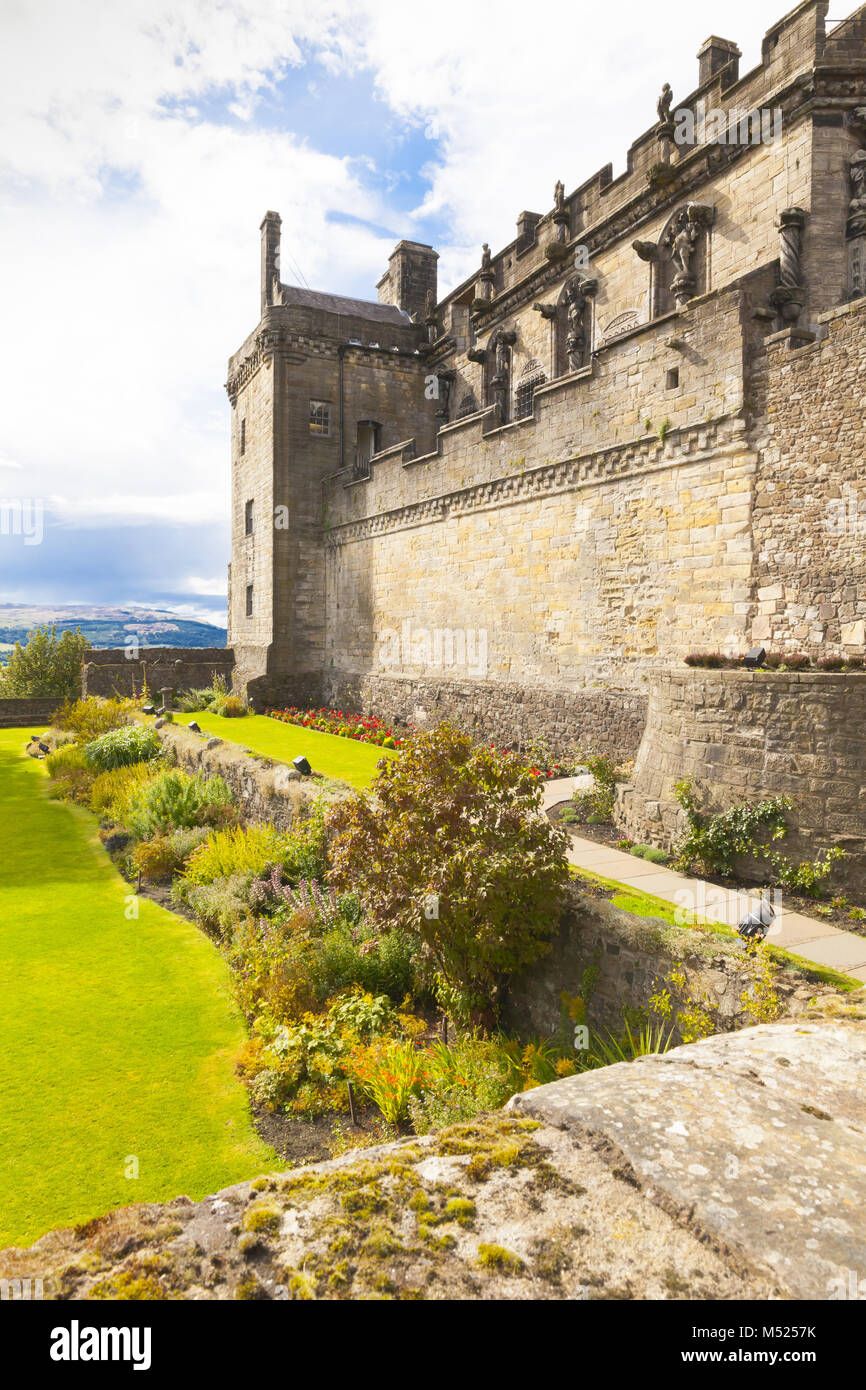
<point x="364" y="728"/>
<point x="369" y="729"/>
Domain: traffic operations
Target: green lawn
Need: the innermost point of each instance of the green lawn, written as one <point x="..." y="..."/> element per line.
<point x="119" y="1035"/>
<point x="346" y="758"/>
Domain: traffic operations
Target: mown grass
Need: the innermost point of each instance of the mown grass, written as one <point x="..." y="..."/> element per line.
<point x="119" y="1035"/>
<point x="346" y="758"/>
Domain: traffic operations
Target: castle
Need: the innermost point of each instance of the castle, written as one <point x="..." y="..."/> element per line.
<point x="635" y="432"/>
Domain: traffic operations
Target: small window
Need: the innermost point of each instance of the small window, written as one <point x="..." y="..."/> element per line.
<point x="248" y="519"/>
<point x="249" y="600"/>
<point x="320" y="418"/>
<point x="672" y="378"/>
<point x="531" y="377"/>
<point x="243" y="436"/>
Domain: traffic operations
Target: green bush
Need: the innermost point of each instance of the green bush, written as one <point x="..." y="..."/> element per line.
<point x="112" y="791"/>
<point x="120" y="747"/>
<point x="715" y="842"/>
<point x="173" y="800"/>
<point x="648" y="852"/>
<point x="596" y="806"/>
<point x="220" y="907"/>
<point x="255" y="849"/>
<point x="452" y="849"/>
<point x="45" y="664"/>
<point x="164" y="855"/>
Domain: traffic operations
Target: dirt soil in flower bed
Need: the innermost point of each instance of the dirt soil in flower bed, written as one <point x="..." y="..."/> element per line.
<point x="609" y="835"/>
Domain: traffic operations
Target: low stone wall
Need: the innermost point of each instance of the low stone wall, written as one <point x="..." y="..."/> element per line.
<point x="743" y="736"/>
<point x="264" y="790"/>
<point x="111" y="671"/>
<point x="614" y="960"/>
<point x="31" y="712"/>
<point x="610" y="719"/>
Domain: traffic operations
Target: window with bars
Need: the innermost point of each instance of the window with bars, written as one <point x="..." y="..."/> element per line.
<point x="248" y="518"/>
<point x="320" y="418"/>
<point x="530" y="379"/>
<point x="249" y="600"/>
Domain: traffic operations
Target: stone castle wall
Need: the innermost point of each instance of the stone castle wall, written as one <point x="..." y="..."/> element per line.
<point x="110" y="671"/>
<point x="743" y="736"/>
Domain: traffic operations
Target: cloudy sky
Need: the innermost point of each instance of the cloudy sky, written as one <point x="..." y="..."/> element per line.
<point x="140" y="144"/>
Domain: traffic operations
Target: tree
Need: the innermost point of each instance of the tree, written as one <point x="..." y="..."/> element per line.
<point x="452" y="846"/>
<point x="45" y="665"/>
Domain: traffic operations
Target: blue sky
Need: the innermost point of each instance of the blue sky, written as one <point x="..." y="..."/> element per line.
<point x="140" y="144"/>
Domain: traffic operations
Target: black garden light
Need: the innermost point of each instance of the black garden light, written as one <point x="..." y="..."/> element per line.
<point x="755" y="658"/>
<point x="302" y="766"/>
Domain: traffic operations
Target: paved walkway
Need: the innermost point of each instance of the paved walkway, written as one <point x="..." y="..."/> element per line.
<point x="810" y="937"/>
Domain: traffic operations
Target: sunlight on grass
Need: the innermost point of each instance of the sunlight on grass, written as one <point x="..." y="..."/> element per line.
<point x="347" y="758"/>
<point x="119" y="1035"/>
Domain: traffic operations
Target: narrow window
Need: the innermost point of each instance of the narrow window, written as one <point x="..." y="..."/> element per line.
<point x="367" y="445"/>
<point x="672" y="378"/>
<point x="249" y="600"/>
<point x="531" y="377"/>
<point x="248" y="518"/>
<point x="320" y="418"/>
<point x="243" y="436"/>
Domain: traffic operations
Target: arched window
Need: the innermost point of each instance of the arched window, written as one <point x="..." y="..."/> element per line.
<point x="530" y="378"/>
<point x="468" y="406"/>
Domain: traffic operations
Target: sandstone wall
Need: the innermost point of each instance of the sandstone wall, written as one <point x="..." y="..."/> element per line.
<point x="747" y="736"/>
<point x="110" y="671"/>
<point x="31" y="712"/>
<point x="614" y="961"/>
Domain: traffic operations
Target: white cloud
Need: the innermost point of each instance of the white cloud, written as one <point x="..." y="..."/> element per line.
<point x="130" y="203"/>
<point x="207" y="587"/>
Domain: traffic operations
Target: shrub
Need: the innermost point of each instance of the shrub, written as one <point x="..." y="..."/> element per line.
<point x="89" y="718"/>
<point x="112" y="791"/>
<point x="796" y="661"/>
<point x="452" y="849"/>
<point x="232" y="707"/>
<point x="172" y="800"/>
<point x="831" y="663"/>
<point x="461" y="1081"/>
<point x="220" y="906"/>
<point x="348" y="956"/>
<point x="45" y="664"/>
<point x="715" y="841"/>
<point x="133" y="743"/>
<point x="237" y="850"/>
<point x="164" y="855"/>
<point x="810" y="876"/>
<point x="271" y="963"/>
<point x="64" y="760"/>
<point x="596" y="806"/>
<point x="650" y="853"/>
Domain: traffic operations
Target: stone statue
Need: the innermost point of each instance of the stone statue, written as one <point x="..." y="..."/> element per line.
<point x="857" y="176"/>
<point x="575" y="341"/>
<point x="559" y="196"/>
<point x="664" y="104"/>
<point x="485" y="257"/>
<point x="429" y="305"/>
<point x="682" y="247"/>
<point x="502" y="358"/>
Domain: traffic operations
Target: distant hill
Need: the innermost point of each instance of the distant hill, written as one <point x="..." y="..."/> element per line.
<point x="108" y="627"/>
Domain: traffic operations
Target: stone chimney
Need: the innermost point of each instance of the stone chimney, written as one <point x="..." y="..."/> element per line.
<point x="410" y="275"/>
<point x="270" y="230"/>
<point x="716" y="54"/>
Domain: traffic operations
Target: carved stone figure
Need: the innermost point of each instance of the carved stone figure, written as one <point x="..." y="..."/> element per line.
<point x="682" y="247"/>
<point x="559" y="196"/>
<point x="503" y="358"/>
<point x="663" y="106"/>
<point x="485" y="257"/>
<point x="575" y="340"/>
